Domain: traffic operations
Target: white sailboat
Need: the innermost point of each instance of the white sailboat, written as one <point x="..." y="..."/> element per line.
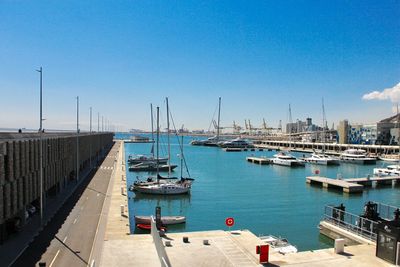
<point x="285" y="158"/>
<point x="165" y="188"/>
<point x="321" y="158"/>
<point x="214" y="140"/>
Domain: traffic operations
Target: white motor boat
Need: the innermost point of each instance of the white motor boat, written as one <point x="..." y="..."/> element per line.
<point x="165" y="220"/>
<point x="358" y="156"/>
<point x="286" y="159"/>
<point x="280" y="245"/>
<point x="390" y="170"/>
<point x="321" y="159"/>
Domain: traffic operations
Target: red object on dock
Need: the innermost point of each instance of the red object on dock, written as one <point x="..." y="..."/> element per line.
<point x="148" y="227"/>
<point x="229" y="221"/>
<point x="263" y="250"/>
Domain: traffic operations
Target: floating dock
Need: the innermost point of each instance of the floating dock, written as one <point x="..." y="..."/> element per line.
<point x="353" y="185"/>
<point x="258" y="160"/>
<point x="346" y="186"/>
<point x="235" y="149"/>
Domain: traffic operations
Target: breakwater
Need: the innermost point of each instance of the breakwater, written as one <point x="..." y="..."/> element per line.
<point x="20" y="171"/>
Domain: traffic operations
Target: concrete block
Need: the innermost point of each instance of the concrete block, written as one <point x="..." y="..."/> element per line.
<point x="339" y="245"/>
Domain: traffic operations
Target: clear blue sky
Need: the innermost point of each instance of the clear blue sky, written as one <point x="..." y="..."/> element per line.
<point x="259" y="56"/>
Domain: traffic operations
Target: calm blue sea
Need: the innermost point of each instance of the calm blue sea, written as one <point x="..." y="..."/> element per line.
<point x="265" y="199"/>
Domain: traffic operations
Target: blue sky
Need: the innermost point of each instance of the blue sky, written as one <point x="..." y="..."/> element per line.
<point x="259" y="56"/>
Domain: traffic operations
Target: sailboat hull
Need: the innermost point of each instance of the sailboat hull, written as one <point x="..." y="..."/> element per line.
<point x="163" y="190"/>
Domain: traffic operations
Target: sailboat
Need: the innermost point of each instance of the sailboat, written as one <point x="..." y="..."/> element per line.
<point x="214" y="140"/>
<point x="320" y="157"/>
<point x="285" y="158"/>
<point x="165" y="188"/>
<point x="143" y="159"/>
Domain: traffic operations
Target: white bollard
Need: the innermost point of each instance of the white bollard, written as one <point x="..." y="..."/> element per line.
<point x="122" y="190"/>
<point x="122" y="210"/>
<point x="339" y="245"/>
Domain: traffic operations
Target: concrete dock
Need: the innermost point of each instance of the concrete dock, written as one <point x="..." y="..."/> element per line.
<point x="352" y="185"/>
<point x="236" y="248"/>
<point x="346" y="186"/>
<point x="258" y="160"/>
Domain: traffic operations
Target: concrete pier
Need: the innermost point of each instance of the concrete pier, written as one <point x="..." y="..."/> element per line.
<point x="346" y="186"/>
<point x="353" y="185"/>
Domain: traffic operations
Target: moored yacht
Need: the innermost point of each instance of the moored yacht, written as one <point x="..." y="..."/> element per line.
<point x="236" y="143"/>
<point x="321" y="159"/>
<point x="164" y="188"/>
<point x="145" y="159"/>
<point x="286" y="159"/>
<point x="358" y="156"/>
<point x="390" y="170"/>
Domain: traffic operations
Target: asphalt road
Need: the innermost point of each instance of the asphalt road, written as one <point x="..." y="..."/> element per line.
<point x="68" y="239"/>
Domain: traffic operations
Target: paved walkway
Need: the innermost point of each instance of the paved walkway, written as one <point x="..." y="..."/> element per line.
<point x="117" y="226"/>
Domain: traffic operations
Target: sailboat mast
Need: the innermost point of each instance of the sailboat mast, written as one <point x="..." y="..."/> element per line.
<point x="182" y="157"/>
<point x="323" y="126"/>
<point x="152" y="129"/>
<point x="219" y="117"/>
<point x="290" y="128"/>
<point x="158" y="137"/>
<point x="169" y="145"/>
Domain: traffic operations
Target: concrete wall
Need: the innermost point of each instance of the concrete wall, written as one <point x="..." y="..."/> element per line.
<point x="19" y="166"/>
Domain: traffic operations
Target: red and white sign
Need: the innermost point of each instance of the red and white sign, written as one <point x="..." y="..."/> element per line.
<point x="229" y="222"/>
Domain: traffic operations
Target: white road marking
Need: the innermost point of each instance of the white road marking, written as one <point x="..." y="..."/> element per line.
<point x="98" y="194"/>
<point x="75" y="221"/>
<point x="51" y="263"/>
<point x="65" y="238"/>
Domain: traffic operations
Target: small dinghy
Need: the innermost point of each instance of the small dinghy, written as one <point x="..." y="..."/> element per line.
<point x="147" y="227"/>
<point x="165" y="220"/>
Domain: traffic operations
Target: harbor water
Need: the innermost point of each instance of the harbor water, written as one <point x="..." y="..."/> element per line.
<point x="266" y="199"/>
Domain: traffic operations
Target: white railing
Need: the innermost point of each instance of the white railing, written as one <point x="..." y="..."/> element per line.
<point x="161" y="252"/>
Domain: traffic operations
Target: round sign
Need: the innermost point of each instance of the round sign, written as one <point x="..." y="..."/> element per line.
<point x="229" y="221"/>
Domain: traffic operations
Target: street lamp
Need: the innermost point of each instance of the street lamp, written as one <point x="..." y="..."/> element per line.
<point x="41" y="147"/>
<point x="77" y="138"/>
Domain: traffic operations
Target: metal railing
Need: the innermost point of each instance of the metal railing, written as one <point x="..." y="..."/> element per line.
<point x="350" y="222"/>
<point x="386" y="211"/>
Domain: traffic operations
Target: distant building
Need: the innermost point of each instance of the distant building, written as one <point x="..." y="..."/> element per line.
<point x="385" y="132"/>
<point x="343" y="130"/>
<point x="301" y="126"/>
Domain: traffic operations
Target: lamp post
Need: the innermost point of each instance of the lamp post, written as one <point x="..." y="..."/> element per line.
<point x="41" y="147"/>
<point x="90" y="141"/>
<point x="77" y="138"/>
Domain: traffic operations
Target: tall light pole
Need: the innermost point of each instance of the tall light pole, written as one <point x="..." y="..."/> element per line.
<point x="77" y="138"/>
<point x="41" y="147"/>
<point x="98" y="121"/>
<point x="102" y="123"/>
<point x="90" y="141"/>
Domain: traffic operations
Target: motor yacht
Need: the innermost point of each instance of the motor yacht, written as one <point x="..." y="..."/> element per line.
<point x="286" y="159"/>
<point x="357" y="156"/>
